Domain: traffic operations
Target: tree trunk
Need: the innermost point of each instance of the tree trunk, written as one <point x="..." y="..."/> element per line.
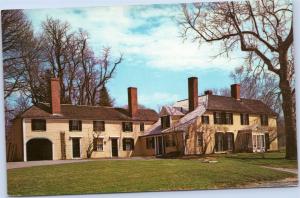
<point x="288" y="109"/>
<point x="289" y="120"/>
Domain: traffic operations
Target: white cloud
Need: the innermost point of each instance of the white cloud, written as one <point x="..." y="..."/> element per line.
<point x="158" y="98"/>
<point x="160" y="47"/>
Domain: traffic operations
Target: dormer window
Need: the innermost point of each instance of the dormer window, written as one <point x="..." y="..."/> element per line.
<point x="165" y="122"/>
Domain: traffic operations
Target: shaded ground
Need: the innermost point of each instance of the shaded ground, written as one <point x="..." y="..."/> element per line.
<point x="13" y="165"/>
<point x="106" y="176"/>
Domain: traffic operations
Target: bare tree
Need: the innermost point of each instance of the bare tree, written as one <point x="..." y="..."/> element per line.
<point x="264" y="30"/>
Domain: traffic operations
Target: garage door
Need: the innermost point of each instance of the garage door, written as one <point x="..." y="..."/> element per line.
<point x="39" y="149"/>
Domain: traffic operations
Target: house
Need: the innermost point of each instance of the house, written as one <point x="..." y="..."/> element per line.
<point x="212" y="124"/>
<point x="198" y="125"/>
<point x="63" y="131"/>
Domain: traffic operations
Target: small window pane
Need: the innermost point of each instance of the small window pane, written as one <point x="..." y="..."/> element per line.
<point x="38" y="125"/>
<point x="142" y="126"/>
<point x="99" y="126"/>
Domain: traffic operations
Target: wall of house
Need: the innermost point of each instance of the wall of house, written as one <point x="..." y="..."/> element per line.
<point x="210" y="130"/>
<point x="14" y="141"/>
<point x="113" y="129"/>
<point x="179" y="147"/>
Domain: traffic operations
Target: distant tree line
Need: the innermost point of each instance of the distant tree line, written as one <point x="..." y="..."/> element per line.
<point x="31" y="58"/>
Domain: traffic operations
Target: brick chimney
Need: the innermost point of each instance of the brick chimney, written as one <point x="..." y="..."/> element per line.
<point x="193" y="93"/>
<point x="132" y="101"/>
<point x="208" y="92"/>
<point x="235" y="91"/>
<point x="55" y="96"/>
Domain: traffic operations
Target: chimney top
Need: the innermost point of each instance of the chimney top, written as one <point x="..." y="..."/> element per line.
<point x="132" y="101"/>
<point x="55" y="96"/>
<point x="208" y="92"/>
<point x="235" y="91"/>
<point x="193" y="93"/>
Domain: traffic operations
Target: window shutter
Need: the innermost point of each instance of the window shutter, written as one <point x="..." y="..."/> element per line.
<point x="223" y="116"/>
<point x="247" y="118"/>
<point x="225" y="141"/>
<point x="231" y="115"/>
<point x="241" y="117"/>
<point x="123" y="126"/>
<point x="168" y="121"/>
<point x="215" y="118"/>
<point x="103" y="125"/>
<point x="267" y="120"/>
<point x="95" y="144"/>
<point x="267" y="139"/>
<point x="124" y="145"/>
<point x="131" y="126"/>
<point x="80" y="125"/>
<point x="132" y="144"/>
<point x="70" y="125"/>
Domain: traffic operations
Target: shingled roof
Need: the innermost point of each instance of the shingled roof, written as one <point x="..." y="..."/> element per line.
<point x="210" y="103"/>
<point x="223" y="103"/>
<point x="84" y="112"/>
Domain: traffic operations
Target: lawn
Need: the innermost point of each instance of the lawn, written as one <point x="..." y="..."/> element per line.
<point x="106" y="176"/>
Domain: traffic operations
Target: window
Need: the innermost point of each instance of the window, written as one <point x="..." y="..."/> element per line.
<point x="223" y="118"/>
<point x="228" y="118"/>
<point x="75" y="125"/>
<point x="128" y="144"/>
<point x="173" y="139"/>
<point x="264" y="120"/>
<point x="150" y="143"/>
<point x="98" y="126"/>
<point x="267" y="140"/>
<point x="127" y="126"/>
<point x="205" y="119"/>
<point x="244" y="119"/>
<point x="200" y="139"/>
<point x="165" y="122"/>
<point x="169" y="140"/>
<point x="98" y="144"/>
<point x="38" y="125"/>
<point x="218" y="118"/>
<point x="142" y="126"/>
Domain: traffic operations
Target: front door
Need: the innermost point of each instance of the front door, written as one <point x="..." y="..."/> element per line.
<point x="76" y="147"/>
<point x="259" y="143"/>
<point x="219" y="142"/>
<point x="114" y="147"/>
<point x="159" y="145"/>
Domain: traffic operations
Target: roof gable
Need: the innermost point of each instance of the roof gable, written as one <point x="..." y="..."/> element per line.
<point x="89" y="113"/>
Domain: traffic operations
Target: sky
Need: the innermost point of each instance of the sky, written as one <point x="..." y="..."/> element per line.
<point x="156" y="59"/>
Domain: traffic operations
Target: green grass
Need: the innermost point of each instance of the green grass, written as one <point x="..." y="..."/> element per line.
<point x="106" y="176"/>
<point x="271" y="159"/>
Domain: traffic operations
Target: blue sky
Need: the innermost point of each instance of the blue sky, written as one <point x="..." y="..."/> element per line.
<point x="156" y="59"/>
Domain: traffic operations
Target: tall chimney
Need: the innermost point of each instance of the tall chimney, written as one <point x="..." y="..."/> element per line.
<point x="132" y="101"/>
<point x="208" y="92"/>
<point x="55" y="96"/>
<point x="193" y="93"/>
<point x="235" y="91"/>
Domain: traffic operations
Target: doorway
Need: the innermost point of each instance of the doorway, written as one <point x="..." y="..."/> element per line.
<point x="114" y="147"/>
<point x="259" y="143"/>
<point x="39" y="149"/>
<point x="76" y="147"/>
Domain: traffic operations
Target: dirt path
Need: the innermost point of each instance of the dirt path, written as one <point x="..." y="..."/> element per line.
<point x="287" y="182"/>
<point x="289" y="170"/>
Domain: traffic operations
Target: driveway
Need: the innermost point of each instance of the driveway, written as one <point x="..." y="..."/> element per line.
<point x="12" y="165"/>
